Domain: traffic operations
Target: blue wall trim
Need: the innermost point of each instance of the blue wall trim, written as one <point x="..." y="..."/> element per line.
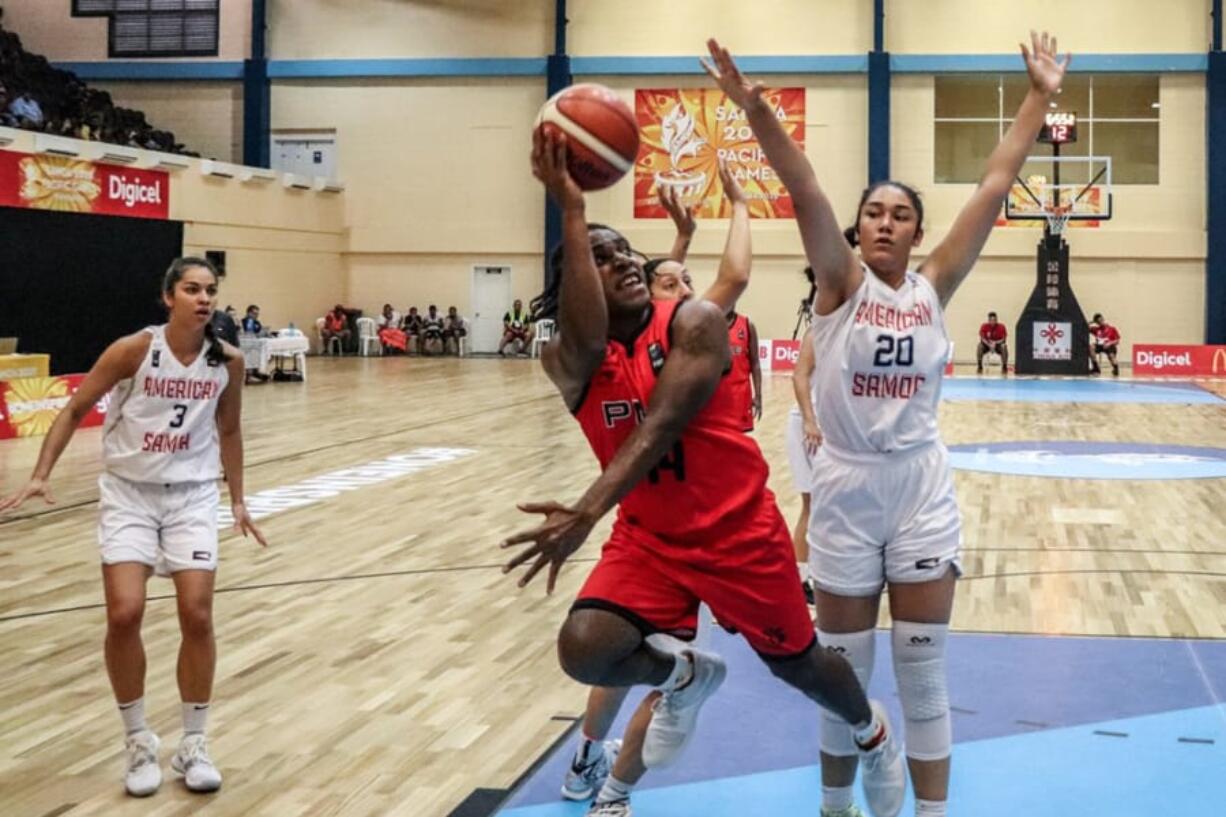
<point x="1215" y="161"/>
<point x="329" y="69"/>
<point x="1088" y="63"/>
<point x="878" y="116"/>
<point x="817" y="64"/>
<point x="145" y="70"/>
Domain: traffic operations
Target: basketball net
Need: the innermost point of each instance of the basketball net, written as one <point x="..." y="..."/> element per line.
<point x="1057" y="219"/>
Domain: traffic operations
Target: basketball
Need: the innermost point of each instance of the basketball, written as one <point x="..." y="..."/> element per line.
<point x="602" y="136"/>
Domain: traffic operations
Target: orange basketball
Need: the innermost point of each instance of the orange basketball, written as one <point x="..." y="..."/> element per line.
<point x="602" y="138"/>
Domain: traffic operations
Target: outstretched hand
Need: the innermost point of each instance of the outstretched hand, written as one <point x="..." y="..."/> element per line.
<point x="732" y="188"/>
<point x="729" y="78"/>
<point x="549" y="165"/>
<point x="244" y="524"/>
<point x="552" y="542"/>
<point x="35" y="487"/>
<point x="681" y="213"/>
<point x="1045" y="70"/>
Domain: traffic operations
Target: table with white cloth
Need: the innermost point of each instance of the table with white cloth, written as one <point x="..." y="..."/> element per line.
<point x="259" y="352"/>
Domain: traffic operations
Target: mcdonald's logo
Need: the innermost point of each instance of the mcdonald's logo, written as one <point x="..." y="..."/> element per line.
<point x="1219" y="360"/>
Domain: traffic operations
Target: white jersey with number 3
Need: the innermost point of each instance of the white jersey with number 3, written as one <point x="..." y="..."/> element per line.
<point x="880" y="359"/>
<point x="161" y="425"/>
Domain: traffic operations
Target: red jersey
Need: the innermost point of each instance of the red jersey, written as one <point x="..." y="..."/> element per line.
<point x="993" y="331"/>
<point x="740" y="374"/>
<point x="1107" y="334"/>
<point x="714" y="472"/>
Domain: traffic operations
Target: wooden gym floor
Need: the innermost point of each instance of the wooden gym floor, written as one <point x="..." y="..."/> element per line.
<point x="374" y="660"/>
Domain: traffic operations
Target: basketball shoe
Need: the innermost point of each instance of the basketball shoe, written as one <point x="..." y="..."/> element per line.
<point x="851" y="811"/>
<point x="585" y="779"/>
<point x="192" y="761"/>
<point x="675" y="713"/>
<point x="883" y="771"/>
<point x="612" y="808"/>
<point x="143" y="775"/>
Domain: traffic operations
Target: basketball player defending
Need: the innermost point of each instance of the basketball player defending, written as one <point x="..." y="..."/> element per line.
<point x="883" y="497"/>
<point x="802" y="439"/>
<point x="638" y="376"/>
<point x="668" y="279"/>
<point x="174" y="411"/>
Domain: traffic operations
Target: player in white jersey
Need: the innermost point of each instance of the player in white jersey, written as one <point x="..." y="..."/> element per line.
<point x="884" y="505"/>
<point x="802" y="440"/>
<point x="174" y="417"/>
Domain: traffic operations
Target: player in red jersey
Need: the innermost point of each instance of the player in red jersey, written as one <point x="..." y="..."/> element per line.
<point x="1104" y="340"/>
<point x="993" y="338"/>
<point x="638" y="376"/>
<point x="746" y="372"/>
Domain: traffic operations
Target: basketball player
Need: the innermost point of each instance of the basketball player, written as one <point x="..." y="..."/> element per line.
<point x="1105" y="340"/>
<point x="638" y="376"/>
<point x="175" y="411"/>
<point x="884" y="503"/>
<point x="668" y="280"/>
<point x="993" y="339"/>
<point x="802" y="439"/>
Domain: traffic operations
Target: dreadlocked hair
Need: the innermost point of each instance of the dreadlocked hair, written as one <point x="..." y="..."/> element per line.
<point x="216" y="353"/>
<point x="545" y="305"/>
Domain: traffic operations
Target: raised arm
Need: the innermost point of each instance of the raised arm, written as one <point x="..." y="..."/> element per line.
<point x="683" y="219"/>
<point x="577" y="348"/>
<point x="691" y="372"/>
<point x="835" y="265"/>
<point x="953" y="258"/>
<point x="733" y="277"/>
<point x="119" y="362"/>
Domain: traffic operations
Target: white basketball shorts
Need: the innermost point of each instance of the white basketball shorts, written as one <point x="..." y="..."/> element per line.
<point x="877" y="519"/>
<point x="798" y="458"/>
<point x="168" y="527"/>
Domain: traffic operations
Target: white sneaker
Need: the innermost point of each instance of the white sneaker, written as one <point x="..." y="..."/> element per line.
<point x="675" y="713"/>
<point x="143" y="775"/>
<point x="584" y="780"/>
<point x="613" y="808"/>
<point x="192" y="761"/>
<point x="883" y="771"/>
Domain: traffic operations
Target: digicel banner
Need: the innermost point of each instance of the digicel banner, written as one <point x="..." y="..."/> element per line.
<point x="71" y="185"/>
<point x="778" y="355"/>
<point x="1203" y="361"/>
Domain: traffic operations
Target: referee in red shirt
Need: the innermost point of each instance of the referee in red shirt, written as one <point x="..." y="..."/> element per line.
<point x="992" y="339"/>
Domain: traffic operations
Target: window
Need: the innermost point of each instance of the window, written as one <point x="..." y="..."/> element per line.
<point x="1117" y="116"/>
<point x="156" y="28"/>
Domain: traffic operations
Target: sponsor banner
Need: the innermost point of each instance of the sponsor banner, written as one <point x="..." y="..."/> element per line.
<point x="70" y="185"/>
<point x="686" y="131"/>
<point x="778" y="355"/>
<point x="1052" y="340"/>
<point x="30" y="405"/>
<point x="1167" y="359"/>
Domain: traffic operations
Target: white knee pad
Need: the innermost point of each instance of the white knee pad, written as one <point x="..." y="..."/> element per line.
<point x="858" y="649"/>
<point x="919" y="668"/>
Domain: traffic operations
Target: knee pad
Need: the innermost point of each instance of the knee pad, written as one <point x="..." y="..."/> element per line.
<point x="858" y="649"/>
<point x="919" y="668"/>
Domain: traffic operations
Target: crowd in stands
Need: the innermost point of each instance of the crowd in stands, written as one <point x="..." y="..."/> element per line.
<point x="36" y="96"/>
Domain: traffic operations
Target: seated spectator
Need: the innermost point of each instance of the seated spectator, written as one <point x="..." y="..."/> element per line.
<point x="391" y="336"/>
<point x="26" y="110"/>
<point x="412" y="329"/>
<point x="7" y="120"/>
<point x="1104" y="340"/>
<point x="516" y="327"/>
<point x="454" y="328"/>
<point x="432" y="332"/>
<point x="336" y="325"/>
<point x="251" y="323"/>
<point x="992" y="337"/>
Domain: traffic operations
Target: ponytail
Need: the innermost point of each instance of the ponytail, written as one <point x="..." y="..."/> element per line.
<point x="216" y="353"/>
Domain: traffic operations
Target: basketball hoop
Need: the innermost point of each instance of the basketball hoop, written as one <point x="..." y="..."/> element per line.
<point x="1057" y="219"/>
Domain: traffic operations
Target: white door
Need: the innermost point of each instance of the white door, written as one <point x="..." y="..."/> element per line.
<point x="304" y="156"/>
<point x="491" y="300"/>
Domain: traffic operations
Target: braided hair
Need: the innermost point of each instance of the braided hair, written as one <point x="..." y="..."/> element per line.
<point x="545" y="305"/>
<point x="216" y="353"/>
<point x="852" y="233"/>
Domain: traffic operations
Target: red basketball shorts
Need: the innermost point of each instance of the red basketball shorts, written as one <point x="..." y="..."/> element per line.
<point x="747" y="577"/>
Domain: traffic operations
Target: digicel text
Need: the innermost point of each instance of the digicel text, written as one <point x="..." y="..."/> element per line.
<point x="132" y="192"/>
<point x="1160" y="360"/>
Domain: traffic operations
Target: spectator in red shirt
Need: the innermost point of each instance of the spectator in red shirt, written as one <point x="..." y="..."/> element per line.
<point x="1104" y="339"/>
<point x="336" y="325"/>
<point x="992" y="339"/>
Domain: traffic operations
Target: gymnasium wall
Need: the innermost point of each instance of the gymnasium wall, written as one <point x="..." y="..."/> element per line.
<point x="47" y="27"/>
<point x="283" y="247"/>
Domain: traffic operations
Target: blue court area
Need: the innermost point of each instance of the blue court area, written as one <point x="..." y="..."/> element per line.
<point x="1091" y="460"/>
<point x="1042" y="726"/>
<point x="1073" y="391"/>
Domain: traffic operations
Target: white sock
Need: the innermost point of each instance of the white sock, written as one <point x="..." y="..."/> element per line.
<point x="589" y="750"/>
<point x="614" y="790"/>
<point x="836" y="798"/>
<point x="195" y="717"/>
<point x="682" y="674"/>
<point x="133" y="714"/>
<point x="930" y="808"/>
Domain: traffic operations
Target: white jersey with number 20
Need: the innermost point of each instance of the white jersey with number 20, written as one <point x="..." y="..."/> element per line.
<point x="880" y="359"/>
<point x="161" y="426"/>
